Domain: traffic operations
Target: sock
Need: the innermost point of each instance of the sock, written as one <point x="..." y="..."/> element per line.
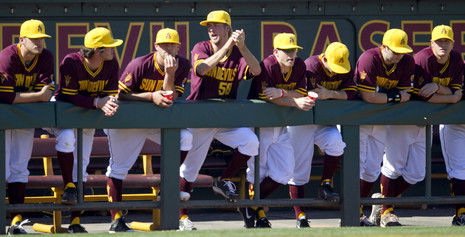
<point x="185" y="186"/>
<point x="16" y="219"/>
<point x="118" y="215"/>
<point x="261" y="213"/>
<point x="238" y="161"/>
<point x="330" y="164"/>
<point x="183" y="217"/>
<point x="77" y="214"/>
<point x="401" y="186"/>
<point x="66" y="161"/>
<point x="365" y="188"/>
<point x="297" y="191"/>
<point x="267" y="187"/>
<point x="183" y="156"/>
<point x="458" y="189"/>
<point x="115" y="193"/>
<point x="387" y="190"/>
<point x="16" y="193"/>
<point x="76" y="221"/>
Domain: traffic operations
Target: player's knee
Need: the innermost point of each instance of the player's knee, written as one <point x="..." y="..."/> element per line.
<point x="250" y="146"/>
<point x="65" y="141"/>
<point x="336" y="148"/>
<point x="186" y="140"/>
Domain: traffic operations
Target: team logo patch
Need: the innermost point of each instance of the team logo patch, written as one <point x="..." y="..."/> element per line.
<point x="411" y="77"/>
<point x="3" y="77"/>
<point x="444" y="31"/>
<point x="363" y="75"/>
<point x="39" y="28"/>
<point x="291" y="40"/>
<point x="341" y="60"/>
<point x="421" y="80"/>
<point x="313" y="81"/>
<point x="263" y="85"/>
<point x="168" y="36"/>
<point x="127" y="78"/>
<point x="67" y="79"/>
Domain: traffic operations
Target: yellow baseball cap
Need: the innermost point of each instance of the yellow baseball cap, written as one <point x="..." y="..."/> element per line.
<point x="285" y="41"/>
<point x="167" y="35"/>
<point x="337" y="55"/>
<point x="100" y="37"/>
<point x="442" y="32"/>
<point x="33" y="29"/>
<point x="218" y="16"/>
<point x="396" y="40"/>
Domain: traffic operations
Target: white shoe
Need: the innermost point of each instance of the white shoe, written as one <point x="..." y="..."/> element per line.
<point x="376" y="209"/>
<point x="186" y="225"/>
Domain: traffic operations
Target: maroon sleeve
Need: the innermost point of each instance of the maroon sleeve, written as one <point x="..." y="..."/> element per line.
<point x="181" y="76"/>
<point x="408" y="71"/>
<point x="132" y="76"/>
<point x="311" y="73"/>
<point x="457" y="72"/>
<point x="301" y="86"/>
<point x="7" y="84"/>
<point x="199" y="53"/>
<point x="69" y="85"/>
<point x="45" y="76"/>
<point x="348" y="85"/>
<point x="111" y="88"/>
<point x="259" y="83"/>
<point x="366" y="72"/>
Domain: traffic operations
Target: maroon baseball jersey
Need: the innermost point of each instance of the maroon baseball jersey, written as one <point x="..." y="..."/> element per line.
<point x="317" y="74"/>
<point x="16" y="76"/>
<point x="427" y="69"/>
<point x="144" y="74"/>
<point x="80" y="85"/>
<point x="373" y="75"/>
<point x="223" y="79"/>
<point x="271" y="76"/>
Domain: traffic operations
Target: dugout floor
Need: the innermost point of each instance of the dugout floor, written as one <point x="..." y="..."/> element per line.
<point x="434" y="216"/>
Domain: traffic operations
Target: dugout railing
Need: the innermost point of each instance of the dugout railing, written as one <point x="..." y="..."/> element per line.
<point x="217" y="113"/>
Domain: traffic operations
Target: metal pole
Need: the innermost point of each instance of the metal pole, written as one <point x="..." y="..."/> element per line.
<point x="2" y="182"/>
<point x="169" y="170"/>
<point x="80" y="190"/>
<point x="256" y="185"/>
<point x="351" y="177"/>
<point x="428" y="161"/>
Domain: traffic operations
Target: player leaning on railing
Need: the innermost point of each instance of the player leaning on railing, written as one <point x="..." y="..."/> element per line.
<point x="26" y="75"/>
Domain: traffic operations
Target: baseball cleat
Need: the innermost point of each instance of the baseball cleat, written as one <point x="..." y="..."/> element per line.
<point x="263" y="223"/>
<point x="17" y="228"/>
<point x="119" y="225"/>
<point x="365" y="222"/>
<point x="69" y="196"/>
<point x="375" y="216"/>
<point x="302" y="222"/>
<point x="248" y="215"/>
<point x="76" y="228"/>
<point x="326" y="192"/>
<point x="186" y="225"/>
<point x="459" y="220"/>
<point x="389" y="219"/>
<point x="227" y="189"/>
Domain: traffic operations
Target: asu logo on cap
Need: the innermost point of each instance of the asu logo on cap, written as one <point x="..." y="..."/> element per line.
<point x="33" y="29"/>
<point x="167" y="36"/>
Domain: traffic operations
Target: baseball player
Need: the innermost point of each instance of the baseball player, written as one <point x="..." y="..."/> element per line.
<point x="217" y="67"/>
<point x="88" y="79"/>
<point x="330" y="76"/>
<point x="439" y="79"/>
<point x="282" y="82"/>
<point x="147" y="78"/>
<point x="384" y="75"/>
<point x="26" y="72"/>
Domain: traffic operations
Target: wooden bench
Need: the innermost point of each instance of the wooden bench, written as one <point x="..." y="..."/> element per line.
<point x="45" y="148"/>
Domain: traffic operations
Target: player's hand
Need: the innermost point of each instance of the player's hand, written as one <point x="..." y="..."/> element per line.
<point x="171" y="64"/>
<point x="458" y="95"/>
<point x="108" y="105"/>
<point x="160" y="100"/>
<point x="304" y="103"/>
<point x="238" y="37"/>
<point x="323" y="93"/>
<point x="404" y="95"/>
<point x="45" y="93"/>
<point x="272" y="93"/>
<point x="428" y="89"/>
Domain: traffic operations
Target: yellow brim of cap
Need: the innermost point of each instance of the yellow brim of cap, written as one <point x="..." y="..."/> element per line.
<point x="204" y="23"/>
<point x="443" y="37"/>
<point x="167" y="42"/>
<point x="339" y="69"/>
<point x="115" y="43"/>
<point x="290" y="47"/>
<point x="406" y="49"/>
<point x="36" y="36"/>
